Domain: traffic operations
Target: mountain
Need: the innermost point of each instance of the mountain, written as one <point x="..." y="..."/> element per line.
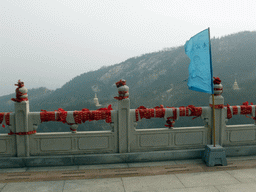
<point x="149" y="76"/>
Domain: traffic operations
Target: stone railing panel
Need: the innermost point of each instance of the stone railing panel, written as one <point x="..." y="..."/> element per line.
<point x="167" y="139"/>
<point x="240" y="134"/>
<point x="7" y="145"/>
<point x="69" y="143"/>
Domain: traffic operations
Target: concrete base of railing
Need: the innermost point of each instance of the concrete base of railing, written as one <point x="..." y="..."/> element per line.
<point x="90" y="159"/>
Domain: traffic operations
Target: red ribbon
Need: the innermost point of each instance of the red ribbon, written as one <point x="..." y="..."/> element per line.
<point x="137" y="112"/>
<point x="229" y="114"/>
<point x="18" y="93"/>
<point x="216" y="80"/>
<point x="46" y="116"/>
<point x="18" y="96"/>
<point x="174" y="117"/>
<point x="174" y="110"/>
<point x="195" y="111"/>
<point x="72" y="129"/>
<point x="1" y="119"/>
<point x="22" y="133"/>
<point x="235" y="110"/>
<point x="62" y="115"/>
<point x="246" y="104"/>
<point x="7" y="118"/>
<point x="246" y="108"/>
<point x="144" y="113"/>
<point x="81" y="116"/>
<point x="217" y="106"/>
<point x="149" y="113"/>
<point x="87" y="115"/>
<point x="169" y="122"/>
<point x="160" y="111"/>
<point x="122" y="95"/>
<point x="183" y="111"/>
<point x="120" y="83"/>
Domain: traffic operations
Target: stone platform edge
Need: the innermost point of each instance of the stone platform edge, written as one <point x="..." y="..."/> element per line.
<point x="93" y="159"/>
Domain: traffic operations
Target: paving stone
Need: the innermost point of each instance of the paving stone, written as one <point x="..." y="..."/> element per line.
<point x="2" y="185"/>
<point x="104" y="166"/>
<point x="174" y="169"/>
<point x="49" y="176"/>
<point x="26" y="177"/>
<point x="79" y="175"/>
<point x="151" y="183"/>
<point x="126" y="172"/>
<point x="142" y="174"/>
<point x="243" y="187"/>
<point x="244" y="175"/>
<point x="206" y="179"/>
<point x="95" y="185"/>
<point x="54" y="186"/>
<point x="194" y="189"/>
<point x="232" y="165"/>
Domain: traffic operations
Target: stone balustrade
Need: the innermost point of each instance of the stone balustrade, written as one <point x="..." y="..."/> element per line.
<point x="23" y="146"/>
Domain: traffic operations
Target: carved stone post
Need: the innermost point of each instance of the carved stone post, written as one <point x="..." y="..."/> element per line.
<point x="215" y="155"/>
<point x="21" y="119"/>
<point x="123" y="116"/>
<point x="219" y="112"/>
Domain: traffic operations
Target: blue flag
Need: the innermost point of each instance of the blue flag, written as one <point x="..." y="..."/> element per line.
<point x="200" y="67"/>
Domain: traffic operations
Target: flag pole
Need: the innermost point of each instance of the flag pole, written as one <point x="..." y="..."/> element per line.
<point x="213" y="110"/>
<point x="213" y="105"/>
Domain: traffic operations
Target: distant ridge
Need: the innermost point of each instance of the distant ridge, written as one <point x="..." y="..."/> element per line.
<point x="149" y="76"/>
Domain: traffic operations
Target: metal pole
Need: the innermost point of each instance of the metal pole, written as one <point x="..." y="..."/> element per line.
<point x="213" y="105"/>
<point x="213" y="111"/>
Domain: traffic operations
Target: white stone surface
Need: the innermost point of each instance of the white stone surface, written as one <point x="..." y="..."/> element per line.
<point x="95" y="185"/>
<point x="206" y="179"/>
<point x="194" y="189"/>
<point x="153" y="183"/>
<point x="248" y="187"/>
<point x="2" y="185"/>
<point x="222" y="181"/>
<point x="54" y="186"/>
<point x="244" y="175"/>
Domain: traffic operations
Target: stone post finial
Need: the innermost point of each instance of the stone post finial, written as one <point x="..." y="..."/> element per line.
<point x="218" y="88"/>
<point x="21" y="92"/>
<point x="123" y="90"/>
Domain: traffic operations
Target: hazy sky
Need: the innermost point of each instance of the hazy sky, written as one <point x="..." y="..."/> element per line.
<point x="48" y="42"/>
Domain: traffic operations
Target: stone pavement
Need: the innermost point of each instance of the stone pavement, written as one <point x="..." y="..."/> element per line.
<point x="178" y="176"/>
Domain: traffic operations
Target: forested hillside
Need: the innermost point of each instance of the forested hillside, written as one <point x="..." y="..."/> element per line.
<point x="149" y="76"/>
